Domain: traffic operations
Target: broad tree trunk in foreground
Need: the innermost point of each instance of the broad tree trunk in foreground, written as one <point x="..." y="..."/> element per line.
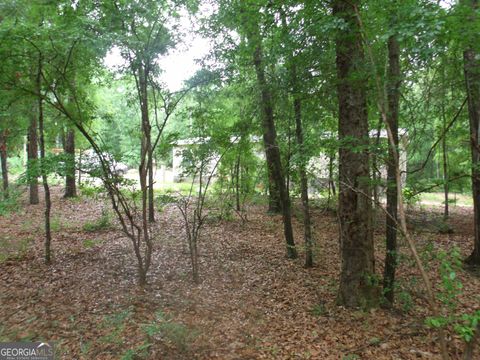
<point x="69" y="147"/>
<point x="3" y="160"/>
<point x="357" y="279"/>
<point x="32" y="154"/>
<point x="268" y="123"/>
<point x="393" y="93"/>
<point x="472" y="82"/>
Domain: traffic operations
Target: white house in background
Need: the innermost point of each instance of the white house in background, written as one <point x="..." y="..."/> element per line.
<point x="181" y="145"/>
<point x="318" y="165"/>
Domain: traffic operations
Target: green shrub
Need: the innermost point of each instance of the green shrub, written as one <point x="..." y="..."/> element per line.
<point x="14" y="249"/>
<point x="91" y="191"/>
<point x="16" y="165"/>
<point x="55" y="223"/>
<point x="444" y="228"/>
<point x="325" y="203"/>
<point x="89" y="243"/>
<point x="451" y="288"/>
<point x="318" y="310"/>
<point x="410" y="196"/>
<point x="168" y="330"/>
<point x="165" y="199"/>
<point x="102" y="223"/>
<point x="10" y="204"/>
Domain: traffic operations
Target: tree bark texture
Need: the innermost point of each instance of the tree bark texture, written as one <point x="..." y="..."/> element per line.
<point x="268" y="123"/>
<point x="46" y="188"/>
<point x="307" y="223"/>
<point x="32" y="156"/>
<point x="69" y="147"/>
<point x="3" y="160"/>
<point x="357" y="280"/>
<point x="393" y="98"/>
<point x="472" y="83"/>
<point x="145" y="166"/>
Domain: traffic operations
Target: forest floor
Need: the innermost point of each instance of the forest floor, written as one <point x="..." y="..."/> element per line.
<point x="252" y="302"/>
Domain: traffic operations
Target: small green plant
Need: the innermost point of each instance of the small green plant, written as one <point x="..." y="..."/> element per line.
<point x="91" y="191"/>
<point x="444" y="228"/>
<point x="326" y="203"/>
<point x="140" y="352"/>
<point x="23" y="245"/>
<point x="351" y="357"/>
<point x="259" y="199"/>
<point x="11" y="203"/>
<point x="116" y="324"/>
<point x="102" y="223"/>
<point x="85" y="348"/>
<point x="428" y="253"/>
<point x="464" y="325"/>
<point x="405" y="300"/>
<point x="410" y="197"/>
<point x="452" y="201"/>
<point x="373" y="280"/>
<point x="318" y="310"/>
<point x="450" y="263"/>
<point x="14" y="248"/>
<point x="163" y="327"/>
<point x="162" y="200"/>
<point x="89" y="243"/>
<point x="55" y="223"/>
<point x="467" y="325"/>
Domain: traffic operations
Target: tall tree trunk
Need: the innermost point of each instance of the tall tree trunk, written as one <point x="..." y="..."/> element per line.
<point x="382" y="107"/>
<point x="3" y="160"/>
<point x="297" y="106"/>
<point x="274" y="205"/>
<point x="331" y="181"/>
<point x="288" y="164"/>
<point x="32" y="154"/>
<point x="237" y="183"/>
<point x="393" y="93"/>
<point x="143" y="172"/>
<point x="61" y="139"/>
<point x="69" y="148"/>
<point x="268" y="123"/>
<point x="444" y="150"/>
<point x="357" y="285"/>
<point x="445" y="166"/>
<point x="273" y="153"/>
<point x="151" y="194"/>
<point x="376" y="174"/>
<point x="80" y="168"/>
<point x="472" y="82"/>
<point x="302" y="164"/>
<point x="148" y="148"/>
<point x="46" y="188"/>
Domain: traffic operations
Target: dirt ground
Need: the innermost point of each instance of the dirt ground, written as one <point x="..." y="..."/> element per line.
<point x="252" y="302"/>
